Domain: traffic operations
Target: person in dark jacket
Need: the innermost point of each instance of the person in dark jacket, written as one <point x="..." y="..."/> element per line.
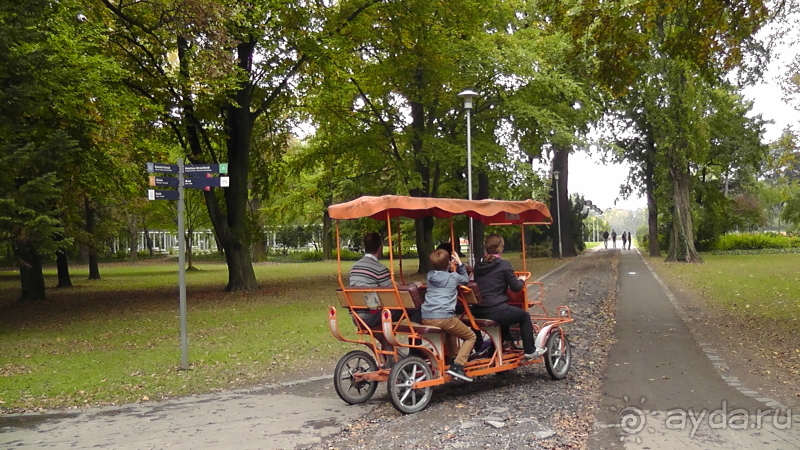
<point x="494" y="275"/>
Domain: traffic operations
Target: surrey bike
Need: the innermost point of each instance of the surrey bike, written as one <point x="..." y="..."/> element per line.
<point x="410" y="357"/>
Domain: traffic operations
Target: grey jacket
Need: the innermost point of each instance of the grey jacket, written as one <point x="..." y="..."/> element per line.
<point x="440" y="299"/>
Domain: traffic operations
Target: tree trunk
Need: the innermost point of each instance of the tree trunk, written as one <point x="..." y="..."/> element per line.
<point x="559" y="207"/>
<point x="133" y="230"/>
<point x="652" y="207"/>
<point x="424" y="240"/>
<point x="91" y="221"/>
<point x="31" y="276"/>
<point x="327" y="237"/>
<point x="681" y="244"/>
<point x="652" y="224"/>
<point x="189" y="240"/>
<point x="62" y="264"/>
<point x="231" y="225"/>
<point x="478" y="227"/>
<point x="149" y="241"/>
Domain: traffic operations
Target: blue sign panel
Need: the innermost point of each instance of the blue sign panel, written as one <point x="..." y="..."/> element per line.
<point x="161" y="168"/>
<point x="153" y="194"/>
<point x="163" y="181"/>
<point x="205" y="168"/>
<point x="200" y="183"/>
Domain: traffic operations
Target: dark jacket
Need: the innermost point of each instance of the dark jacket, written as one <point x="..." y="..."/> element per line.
<point x="493" y="279"/>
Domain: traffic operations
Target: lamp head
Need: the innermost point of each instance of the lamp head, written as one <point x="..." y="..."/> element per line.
<point x="468" y="95"/>
<point x="555" y="174"/>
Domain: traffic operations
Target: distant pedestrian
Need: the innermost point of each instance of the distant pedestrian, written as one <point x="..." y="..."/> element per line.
<point x="614" y="238"/>
<point x="630" y="240"/>
<point x="624" y="239"/>
<point x="605" y="238"/>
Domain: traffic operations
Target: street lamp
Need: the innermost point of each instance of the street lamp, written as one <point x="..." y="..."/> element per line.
<point x="558" y="212"/>
<point x="468" y="95"/>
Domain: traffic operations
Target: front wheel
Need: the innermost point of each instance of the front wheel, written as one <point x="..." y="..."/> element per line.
<point x="349" y="389"/>
<point x="558" y="357"/>
<point x="404" y="374"/>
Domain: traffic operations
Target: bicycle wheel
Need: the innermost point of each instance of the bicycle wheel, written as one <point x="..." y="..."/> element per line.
<point x="558" y="357"/>
<point x="349" y="389"/>
<point x="404" y="374"/>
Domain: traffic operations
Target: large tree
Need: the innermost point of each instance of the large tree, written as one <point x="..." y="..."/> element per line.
<point x="683" y="48"/>
<point x="216" y="68"/>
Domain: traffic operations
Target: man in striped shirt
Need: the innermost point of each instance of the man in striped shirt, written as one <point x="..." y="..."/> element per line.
<point x="369" y="272"/>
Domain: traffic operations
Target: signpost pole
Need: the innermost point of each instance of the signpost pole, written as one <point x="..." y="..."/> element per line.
<point x="182" y="268"/>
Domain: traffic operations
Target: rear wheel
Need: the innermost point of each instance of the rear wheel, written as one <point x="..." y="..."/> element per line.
<point x="558" y="357"/>
<point x="349" y="389"/>
<point x="404" y="374"/>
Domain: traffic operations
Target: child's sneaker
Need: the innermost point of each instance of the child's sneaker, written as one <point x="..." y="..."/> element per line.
<point x="537" y="353"/>
<point x="457" y="370"/>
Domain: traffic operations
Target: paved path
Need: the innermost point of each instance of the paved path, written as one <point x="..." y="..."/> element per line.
<point x="279" y="416"/>
<point x="665" y="390"/>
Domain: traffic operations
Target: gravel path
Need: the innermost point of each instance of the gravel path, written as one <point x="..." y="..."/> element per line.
<point x="524" y="408"/>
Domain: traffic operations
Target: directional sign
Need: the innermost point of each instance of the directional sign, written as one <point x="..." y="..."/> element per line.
<point x="205" y="168"/>
<point x="163" y="181"/>
<point x="199" y="183"/>
<point x="153" y="194"/>
<point x="161" y="168"/>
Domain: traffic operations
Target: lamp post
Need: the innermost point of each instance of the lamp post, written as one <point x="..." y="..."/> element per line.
<point x="558" y="212"/>
<point x="468" y="95"/>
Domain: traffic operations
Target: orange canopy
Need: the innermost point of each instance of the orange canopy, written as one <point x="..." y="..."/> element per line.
<point x="490" y="212"/>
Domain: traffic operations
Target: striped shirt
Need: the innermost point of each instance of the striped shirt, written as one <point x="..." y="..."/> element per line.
<point x="369" y="272"/>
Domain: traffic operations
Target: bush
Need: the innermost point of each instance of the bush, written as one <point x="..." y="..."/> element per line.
<point x="541" y="250"/>
<point x="312" y="256"/>
<point x="754" y="242"/>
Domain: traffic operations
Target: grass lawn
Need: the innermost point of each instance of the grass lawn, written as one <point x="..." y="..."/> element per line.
<point x="116" y="340"/>
<point x="764" y="289"/>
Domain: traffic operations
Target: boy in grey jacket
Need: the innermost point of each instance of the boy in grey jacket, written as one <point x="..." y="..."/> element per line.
<point x="439" y="308"/>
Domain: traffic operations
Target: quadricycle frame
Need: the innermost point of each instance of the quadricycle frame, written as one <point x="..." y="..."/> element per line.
<point x="412" y="358"/>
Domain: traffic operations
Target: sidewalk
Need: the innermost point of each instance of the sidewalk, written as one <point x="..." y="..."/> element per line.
<point x="283" y="416"/>
<point x="664" y="390"/>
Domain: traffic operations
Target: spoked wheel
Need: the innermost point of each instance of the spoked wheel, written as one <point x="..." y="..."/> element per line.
<point x="404" y="374"/>
<point x="349" y="389"/>
<point x="558" y="357"/>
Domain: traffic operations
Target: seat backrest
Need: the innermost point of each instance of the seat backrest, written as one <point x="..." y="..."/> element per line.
<point x="410" y="297"/>
<point x="516" y="298"/>
<point x="473" y="296"/>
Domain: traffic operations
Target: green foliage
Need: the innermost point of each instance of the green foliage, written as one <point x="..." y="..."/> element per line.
<point x="311" y="256"/>
<point x="540" y="250"/>
<point x="754" y="242"/>
<point x="791" y="213"/>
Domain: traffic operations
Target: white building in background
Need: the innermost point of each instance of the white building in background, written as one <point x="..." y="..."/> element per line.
<point x="166" y="242"/>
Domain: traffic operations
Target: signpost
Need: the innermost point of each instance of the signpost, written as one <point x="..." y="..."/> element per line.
<point x="181" y="182"/>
